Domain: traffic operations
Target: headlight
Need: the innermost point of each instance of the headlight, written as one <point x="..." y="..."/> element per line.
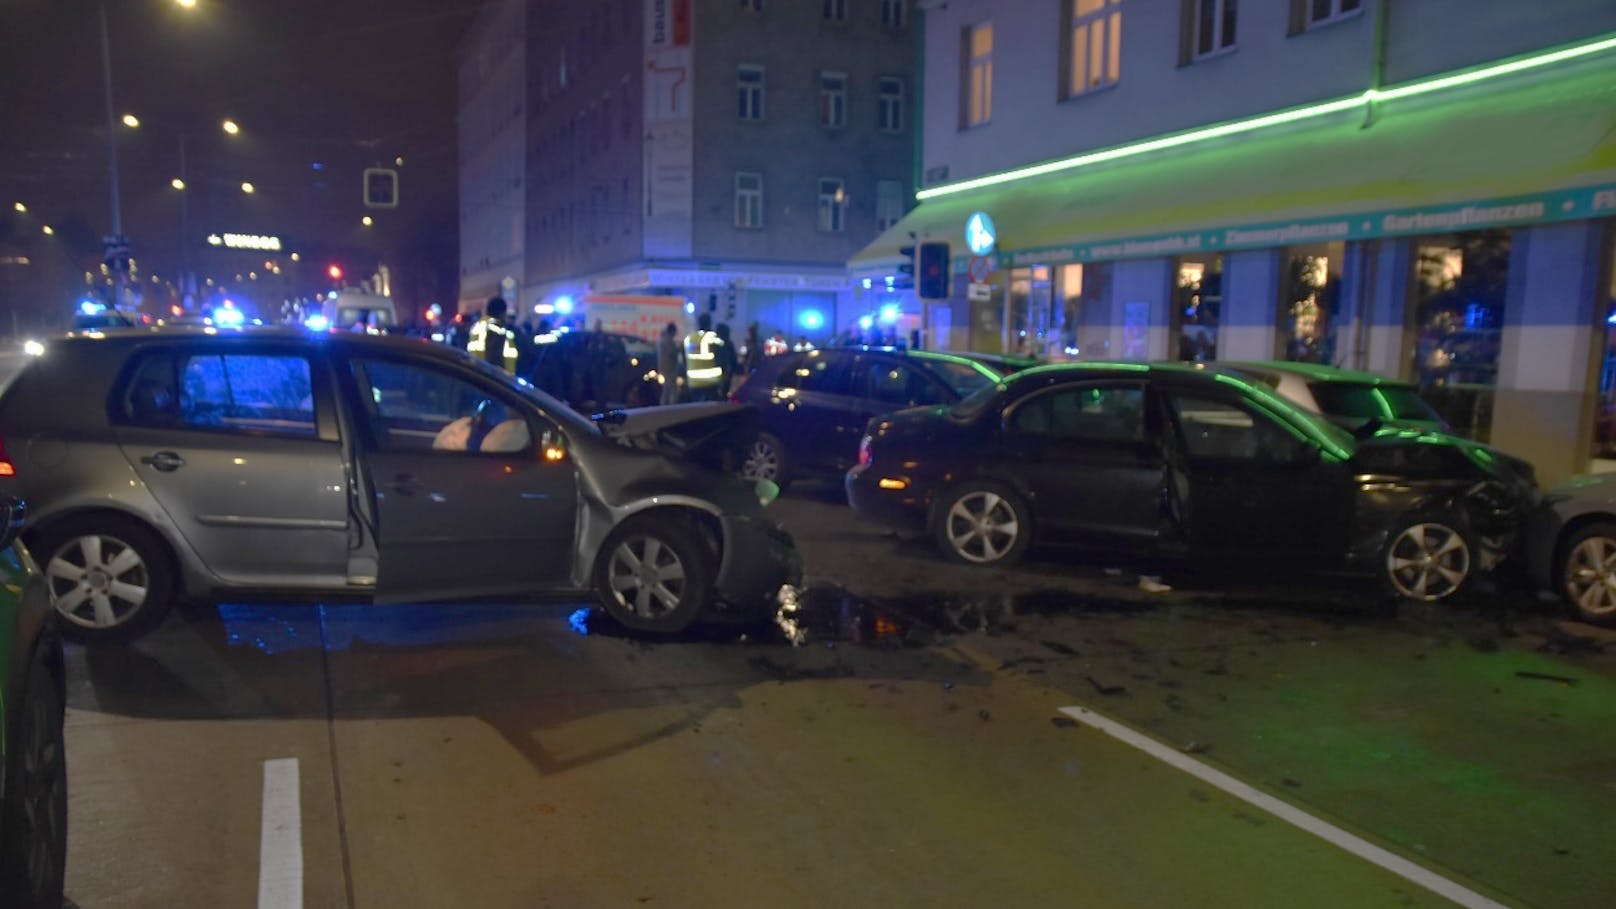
<point x="767" y="491"/>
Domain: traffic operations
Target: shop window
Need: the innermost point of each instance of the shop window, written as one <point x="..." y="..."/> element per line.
<point x="1197" y="301"/>
<point x="1031" y="317"/>
<point x="1093" y="45"/>
<point x="1310" y="310"/>
<point x="1457" y="317"/>
<point x="1605" y="401"/>
<point x="976" y="100"/>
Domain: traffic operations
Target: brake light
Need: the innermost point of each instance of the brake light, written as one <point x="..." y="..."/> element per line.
<point x="7" y="469"/>
<point x="865" y="454"/>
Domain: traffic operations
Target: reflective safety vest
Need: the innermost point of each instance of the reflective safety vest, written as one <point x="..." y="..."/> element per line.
<point x="701" y="359"/>
<point x="504" y="339"/>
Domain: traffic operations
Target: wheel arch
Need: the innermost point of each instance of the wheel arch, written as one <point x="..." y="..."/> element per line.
<point x="1563" y="540"/>
<point x="42" y="528"/>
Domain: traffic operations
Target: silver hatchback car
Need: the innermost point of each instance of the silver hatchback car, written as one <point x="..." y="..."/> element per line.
<point x="166" y="463"/>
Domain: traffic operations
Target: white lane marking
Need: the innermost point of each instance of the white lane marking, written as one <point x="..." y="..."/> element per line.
<point x="1356" y="845"/>
<point x="280" y="843"/>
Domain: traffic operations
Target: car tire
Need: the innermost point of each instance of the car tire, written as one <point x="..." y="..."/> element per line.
<point x="1585" y="571"/>
<point x="93" y="560"/>
<point x="766" y="459"/>
<point x="33" y="817"/>
<point x="983" y="524"/>
<point x="666" y="596"/>
<point x="1428" y="558"/>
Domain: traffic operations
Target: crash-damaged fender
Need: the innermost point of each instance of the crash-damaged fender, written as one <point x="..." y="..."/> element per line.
<point x="1484" y="510"/>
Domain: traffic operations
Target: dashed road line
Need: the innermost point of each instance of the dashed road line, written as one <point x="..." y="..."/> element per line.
<point x="280" y="843"/>
<point x="1287" y="812"/>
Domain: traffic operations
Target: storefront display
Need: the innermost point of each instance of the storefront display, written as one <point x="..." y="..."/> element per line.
<point x="1457" y="321"/>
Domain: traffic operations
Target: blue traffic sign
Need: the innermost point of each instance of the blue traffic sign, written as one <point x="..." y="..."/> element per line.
<point x="980" y="235"/>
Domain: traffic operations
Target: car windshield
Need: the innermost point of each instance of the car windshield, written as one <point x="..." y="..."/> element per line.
<point x="963" y="376"/>
<point x="1367" y="401"/>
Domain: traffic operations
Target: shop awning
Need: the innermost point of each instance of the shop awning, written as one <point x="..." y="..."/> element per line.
<point x="1527" y="148"/>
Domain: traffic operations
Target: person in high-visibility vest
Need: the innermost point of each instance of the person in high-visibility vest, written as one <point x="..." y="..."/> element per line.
<point x="703" y="373"/>
<point x="493" y="340"/>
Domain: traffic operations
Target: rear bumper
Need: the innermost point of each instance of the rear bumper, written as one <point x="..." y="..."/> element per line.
<point x="902" y="509"/>
<point x="759" y="558"/>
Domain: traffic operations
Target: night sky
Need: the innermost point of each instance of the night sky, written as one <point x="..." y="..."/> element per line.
<point x="340" y="83"/>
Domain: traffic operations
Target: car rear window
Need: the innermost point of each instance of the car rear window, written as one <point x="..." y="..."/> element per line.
<point x="1365" y="401"/>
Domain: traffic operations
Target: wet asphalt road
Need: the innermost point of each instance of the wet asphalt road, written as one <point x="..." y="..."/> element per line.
<point x="911" y="753"/>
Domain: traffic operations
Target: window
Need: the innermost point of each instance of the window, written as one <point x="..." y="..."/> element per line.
<point x="748" y="200"/>
<point x="894" y="12"/>
<point x="832" y="205"/>
<point x="1215" y="430"/>
<point x="413" y="408"/>
<point x="242" y="392"/>
<point x="833" y="100"/>
<point x="1093" y="44"/>
<point x="752" y="6"/>
<point x="1213" y="27"/>
<point x="888" y="204"/>
<point x="1460" y="289"/>
<point x="1306" y="14"/>
<point x="894" y="384"/>
<point x="1091" y="413"/>
<point x="1197" y="305"/>
<point x="835" y="10"/>
<point x="889" y="104"/>
<point x="813" y="372"/>
<point x="976" y="102"/>
<point x="750" y="77"/>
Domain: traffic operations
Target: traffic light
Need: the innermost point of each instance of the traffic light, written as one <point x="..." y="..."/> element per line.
<point x="381" y="187"/>
<point x="931" y="272"/>
<point x="906" y="271"/>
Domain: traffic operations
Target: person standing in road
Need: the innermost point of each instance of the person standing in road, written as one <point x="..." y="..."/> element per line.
<point x="702" y="372"/>
<point x="752" y="350"/>
<point x="727" y="359"/>
<point x="670" y="363"/>
<point x="494" y="341"/>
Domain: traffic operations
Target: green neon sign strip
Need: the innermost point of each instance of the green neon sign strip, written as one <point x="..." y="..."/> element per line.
<point x="1292" y="115"/>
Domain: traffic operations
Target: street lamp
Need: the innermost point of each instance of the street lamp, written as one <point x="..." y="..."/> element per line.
<point x="131" y="121"/>
<point x="21" y="208"/>
<point x="231" y="127"/>
<point x="367" y="220"/>
<point x="49" y="231"/>
<point x="248" y="188"/>
<point x="188" y="4"/>
<point x="178" y="184"/>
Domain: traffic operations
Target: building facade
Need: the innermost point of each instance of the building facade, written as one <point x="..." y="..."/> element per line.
<point x="493" y="137"/>
<point x="1321" y="181"/>
<point x="729" y="154"/>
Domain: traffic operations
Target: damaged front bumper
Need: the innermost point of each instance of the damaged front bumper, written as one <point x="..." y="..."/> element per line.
<point x="759" y="559"/>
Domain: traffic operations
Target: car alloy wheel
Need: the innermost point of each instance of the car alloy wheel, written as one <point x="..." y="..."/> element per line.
<point x="1428" y="561"/>
<point x="97" y="581"/>
<point x="762" y="462"/>
<point x="1590" y="577"/>
<point x="982" y="527"/>
<point x="646" y="577"/>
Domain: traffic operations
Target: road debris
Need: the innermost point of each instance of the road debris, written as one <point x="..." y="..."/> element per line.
<point x="1547" y="677"/>
<point x="1104" y="688"/>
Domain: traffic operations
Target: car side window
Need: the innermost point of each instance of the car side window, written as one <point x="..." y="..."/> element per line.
<point x="416" y="408"/>
<point x="1099" y="413"/>
<point x="1217" y="430"/>
<point x="893" y="384"/>
<point x="258" y="393"/>
<point x="813" y="372"/>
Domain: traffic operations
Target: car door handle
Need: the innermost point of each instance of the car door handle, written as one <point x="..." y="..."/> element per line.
<point x="405" y="484"/>
<point x="165" y="461"/>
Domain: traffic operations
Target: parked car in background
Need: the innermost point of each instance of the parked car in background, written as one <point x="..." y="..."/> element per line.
<point x="33" y="764"/>
<point x="271" y="462"/>
<point x="1571" y="546"/>
<point x="596" y="371"/>
<point x="816" y="403"/>
<point x="1196" y="462"/>
<point x="1345" y="397"/>
<point x="1003" y="364"/>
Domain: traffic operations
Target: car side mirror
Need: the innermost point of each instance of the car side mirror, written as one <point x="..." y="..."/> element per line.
<point x="12" y="512"/>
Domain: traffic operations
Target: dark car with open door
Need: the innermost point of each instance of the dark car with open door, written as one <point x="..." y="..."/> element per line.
<point x="1194" y="463"/>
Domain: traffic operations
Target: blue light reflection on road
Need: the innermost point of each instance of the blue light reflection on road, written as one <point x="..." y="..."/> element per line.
<point x="279" y="628"/>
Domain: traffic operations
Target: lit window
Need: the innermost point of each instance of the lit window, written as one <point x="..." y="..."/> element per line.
<point x="1094" y="44"/>
<point x="894" y="12"/>
<point x="750" y="77"/>
<point x="1213" y="27"/>
<point x="832" y="205"/>
<point x="749" y="200"/>
<point x="889" y="104"/>
<point x="833" y="100"/>
<point x="978" y="83"/>
<point x="1323" y="12"/>
<point x="888" y="204"/>
<point x="836" y="10"/>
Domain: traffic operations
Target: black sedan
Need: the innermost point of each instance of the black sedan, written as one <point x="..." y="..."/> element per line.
<point x="1185" y="461"/>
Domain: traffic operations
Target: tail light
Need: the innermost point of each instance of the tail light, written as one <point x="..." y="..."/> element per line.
<point x="7" y="469"/>
<point x="865" y="454"/>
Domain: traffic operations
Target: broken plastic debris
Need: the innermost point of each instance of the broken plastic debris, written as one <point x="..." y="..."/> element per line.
<point x="788" y="614"/>
<point x="1113" y="572"/>
<point x="1150" y="583"/>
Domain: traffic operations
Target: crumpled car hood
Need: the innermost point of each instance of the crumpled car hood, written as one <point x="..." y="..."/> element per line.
<point x="714" y="433"/>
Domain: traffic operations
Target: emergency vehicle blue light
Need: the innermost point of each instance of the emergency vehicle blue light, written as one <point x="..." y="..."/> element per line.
<point x="317" y="322"/>
<point x="563" y="305"/>
<point x="890" y="313"/>
<point x="811" y="319"/>
<point x="92" y="307"/>
<point x="866" y="322"/>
